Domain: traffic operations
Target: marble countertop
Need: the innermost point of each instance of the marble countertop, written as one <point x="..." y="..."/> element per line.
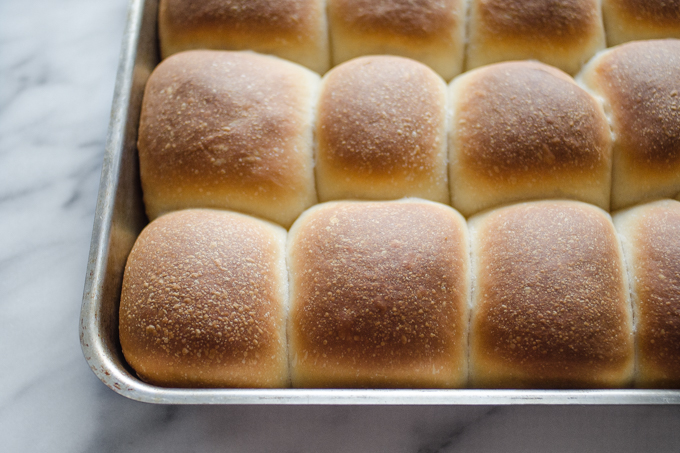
<point x="57" y="67"/>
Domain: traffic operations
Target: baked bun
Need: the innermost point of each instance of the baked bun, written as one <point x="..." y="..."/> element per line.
<point x="430" y="31"/>
<point x="632" y="20"/>
<point x="293" y="29"/>
<point x="640" y="85"/>
<point x="228" y="130"/>
<point x="651" y="242"/>
<point x="204" y="302"/>
<point x="522" y="131"/>
<point x="379" y="295"/>
<point x="563" y="33"/>
<point x="381" y="131"/>
<point x="550" y="305"/>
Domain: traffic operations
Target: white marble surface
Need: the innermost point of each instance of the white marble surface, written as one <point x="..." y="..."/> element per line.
<point x="57" y="65"/>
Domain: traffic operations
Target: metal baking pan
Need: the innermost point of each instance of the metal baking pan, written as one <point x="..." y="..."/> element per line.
<point x="119" y="219"/>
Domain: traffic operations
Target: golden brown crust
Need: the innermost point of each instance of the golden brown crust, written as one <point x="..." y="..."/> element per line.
<point x="519" y="118"/>
<point x="563" y="33"/>
<point x="381" y="121"/>
<point x="658" y="12"/>
<point x="430" y="31"/>
<point x="276" y="17"/>
<point x="203" y="302"/>
<point x="641" y="83"/>
<point x="227" y="129"/>
<point x="294" y="29"/>
<point x="525" y="130"/>
<point x="556" y="20"/>
<point x="551" y="306"/>
<point x="419" y="19"/>
<point x="379" y="295"/>
<point x="632" y="20"/>
<point x="653" y="238"/>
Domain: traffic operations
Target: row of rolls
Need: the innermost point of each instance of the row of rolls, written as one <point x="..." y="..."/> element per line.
<point x="264" y="136"/>
<point x="448" y="35"/>
<point x="408" y="294"/>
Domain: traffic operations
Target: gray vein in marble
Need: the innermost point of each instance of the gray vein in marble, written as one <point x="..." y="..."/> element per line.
<point x="452" y="434"/>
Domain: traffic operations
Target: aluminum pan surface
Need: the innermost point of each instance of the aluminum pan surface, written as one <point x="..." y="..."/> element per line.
<point x="120" y="217"/>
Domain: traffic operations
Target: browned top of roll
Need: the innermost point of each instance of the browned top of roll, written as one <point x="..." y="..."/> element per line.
<point x="557" y="20"/>
<point x="641" y="81"/>
<point x="379" y="284"/>
<point x="381" y="115"/>
<point x="519" y="118"/>
<point x="201" y="289"/>
<point x="552" y="298"/>
<point x="659" y="12"/>
<point x="657" y="284"/>
<point x="412" y="18"/>
<point x="223" y="119"/>
<point x="276" y="18"/>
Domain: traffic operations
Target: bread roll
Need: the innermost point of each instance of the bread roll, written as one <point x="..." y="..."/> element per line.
<point x="204" y="302"/>
<point x="381" y="131"/>
<point x="379" y="295"/>
<point x="563" y="33"/>
<point x="651" y="242"/>
<point x="293" y="29"/>
<point x="228" y="130"/>
<point x="550" y="306"/>
<point x="430" y="31"/>
<point x="632" y="20"/>
<point x="522" y="131"/>
<point x="639" y="83"/>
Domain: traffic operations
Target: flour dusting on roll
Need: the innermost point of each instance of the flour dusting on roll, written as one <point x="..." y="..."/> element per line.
<point x="562" y="33"/>
<point x="523" y="131"/>
<point x="231" y="130"/>
<point x="379" y="295"/>
<point x="204" y="302"/>
<point x="381" y="131"/>
<point x="640" y="85"/>
<point x="651" y="240"/>
<point x="292" y="29"/>
<point x="430" y="31"/>
<point x="551" y="307"/>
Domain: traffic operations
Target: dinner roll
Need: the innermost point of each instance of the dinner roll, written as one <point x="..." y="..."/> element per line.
<point x="430" y="31"/>
<point x="228" y="130"/>
<point x="204" y="302"/>
<point x="550" y="305"/>
<point x="631" y="20"/>
<point x="293" y="29"/>
<point x="651" y="242"/>
<point x="381" y="131"/>
<point x="639" y="83"/>
<point x="563" y="33"/>
<point x="525" y="130"/>
<point x="379" y="295"/>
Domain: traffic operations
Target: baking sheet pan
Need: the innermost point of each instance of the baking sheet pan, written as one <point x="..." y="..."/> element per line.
<point x="120" y="217"/>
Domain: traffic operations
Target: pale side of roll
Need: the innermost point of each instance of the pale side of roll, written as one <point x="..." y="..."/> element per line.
<point x="379" y="295"/>
<point x="381" y="131"/>
<point x="550" y="305"/>
<point x="640" y="85"/>
<point x="430" y="31"/>
<point x="204" y="302"/>
<point x="231" y="130"/>
<point x="650" y="234"/>
<point x="562" y="33"/>
<point x="525" y="130"/>
<point x="296" y="30"/>
<point x="634" y="20"/>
